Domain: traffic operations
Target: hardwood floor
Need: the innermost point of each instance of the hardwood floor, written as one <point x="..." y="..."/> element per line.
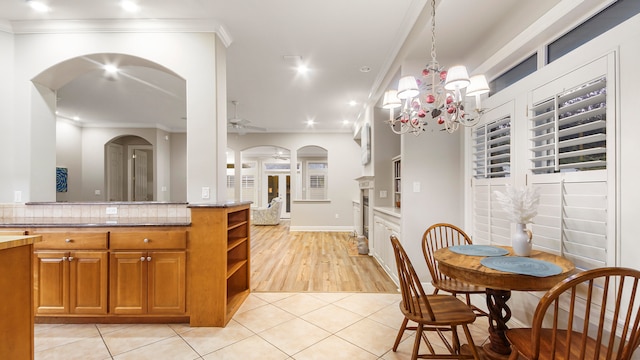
<point x="311" y="262"/>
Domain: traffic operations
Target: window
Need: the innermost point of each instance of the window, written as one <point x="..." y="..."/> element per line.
<point x="568" y="133"/>
<point x="511" y="76"/>
<point x="231" y="186"/>
<point x="248" y="186"/>
<point x="568" y="130"/>
<point x="492" y="149"/>
<point x="492" y="167"/>
<point x="615" y="14"/>
<point x="312" y="173"/>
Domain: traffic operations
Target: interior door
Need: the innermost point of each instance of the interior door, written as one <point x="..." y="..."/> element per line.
<point x="279" y="185"/>
<point x="140" y="175"/>
<point x="115" y="180"/>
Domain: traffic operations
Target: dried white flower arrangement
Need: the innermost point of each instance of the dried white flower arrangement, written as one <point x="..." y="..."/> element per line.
<point x="521" y="204"/>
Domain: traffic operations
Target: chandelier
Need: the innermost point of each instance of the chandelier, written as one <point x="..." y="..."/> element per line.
<point x="437" y="94"/>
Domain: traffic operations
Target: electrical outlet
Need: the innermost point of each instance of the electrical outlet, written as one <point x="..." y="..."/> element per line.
<point x="383" y="194"/>
<point x="112" y="211"/>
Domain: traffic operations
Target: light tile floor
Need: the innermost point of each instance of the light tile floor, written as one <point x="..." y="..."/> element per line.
<point x="268" y="326"/>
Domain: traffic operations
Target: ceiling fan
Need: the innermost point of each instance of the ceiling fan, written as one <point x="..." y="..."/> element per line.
<point x="239" y="124"/>
<point x="279" y="154"/>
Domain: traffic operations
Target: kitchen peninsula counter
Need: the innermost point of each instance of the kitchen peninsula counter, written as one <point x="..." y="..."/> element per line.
<point x="16" y="294"/>
<point x="143" y="265"/>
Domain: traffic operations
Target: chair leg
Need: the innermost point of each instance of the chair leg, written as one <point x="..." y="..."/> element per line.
<point x="514" y="353"/>
<point x="416" y="344"/>
<point x="476" y="310"/>
<point x="472" y="345"/>
<point x="400" y="332"/>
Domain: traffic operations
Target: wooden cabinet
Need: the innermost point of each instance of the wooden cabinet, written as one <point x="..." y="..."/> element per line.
<point x="219" y="262"/>
<point x="385" y="225"/>
<point x="16" y="294"/>
<point x="70" y="274"/>
<point x="150" y="280"/>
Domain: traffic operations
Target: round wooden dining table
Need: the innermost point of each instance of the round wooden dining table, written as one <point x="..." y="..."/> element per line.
<point x="498" y="285"/>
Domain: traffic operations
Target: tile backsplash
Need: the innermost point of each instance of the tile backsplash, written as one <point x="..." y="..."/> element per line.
<point x="147" y="212"/>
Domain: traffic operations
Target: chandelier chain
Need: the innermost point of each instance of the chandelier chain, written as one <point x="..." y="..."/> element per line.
<point x="433" y="31"/>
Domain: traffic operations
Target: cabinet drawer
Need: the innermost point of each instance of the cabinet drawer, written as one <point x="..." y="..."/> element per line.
<point x="143" y="240"/>
<point x="72" y="240"/>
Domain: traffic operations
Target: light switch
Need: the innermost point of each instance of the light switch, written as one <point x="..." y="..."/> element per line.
<point x="416" y="186"/>
<point x="383" y="194"/>
<point x="205" y="192"/>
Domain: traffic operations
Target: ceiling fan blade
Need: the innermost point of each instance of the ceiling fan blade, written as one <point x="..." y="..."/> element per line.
<point x="258" y="128"/>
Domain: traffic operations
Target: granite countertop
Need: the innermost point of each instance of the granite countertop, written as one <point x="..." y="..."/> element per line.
<point x="220" y="205"/>
<point x="12" y="241"/>
<point x="97" y="222"/>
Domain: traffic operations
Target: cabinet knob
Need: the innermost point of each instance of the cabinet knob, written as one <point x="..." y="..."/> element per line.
<point x="142" y="258"/>
<point x="148" y="258"/>
<point x="64" y="258"/>
<point x="68" y="240"/>
<point x="146" y="240"/>
<point x="70" y="258"/>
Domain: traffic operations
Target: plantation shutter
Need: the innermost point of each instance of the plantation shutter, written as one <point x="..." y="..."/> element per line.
<point x="317" y="188"/>
<point x="492" y="149"/>
<point x="491" y="170"/>
<point x="569" y="150"/>
<point x="231" y="186"/>
<point x="572" y="220"/>
<point x="568" y="131"/>
<point x="248" y="189"/>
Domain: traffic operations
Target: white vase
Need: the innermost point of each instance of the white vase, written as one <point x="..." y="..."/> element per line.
<point x="521" y="240"/>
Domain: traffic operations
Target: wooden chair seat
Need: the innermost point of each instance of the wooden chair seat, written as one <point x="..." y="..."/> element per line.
<point x="447" y="310"/>
<point x="521" y="339"/>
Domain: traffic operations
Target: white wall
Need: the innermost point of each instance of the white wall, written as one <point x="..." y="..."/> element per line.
<point x="344" y="167"/>
<point x="31" y="128"/>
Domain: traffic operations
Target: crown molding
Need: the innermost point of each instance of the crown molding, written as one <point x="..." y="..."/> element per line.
<point x="97" y="26"/>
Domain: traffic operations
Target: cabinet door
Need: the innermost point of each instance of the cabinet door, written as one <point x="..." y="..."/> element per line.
<point x="51" y="282"/>
<point x="88" y="282"/>
<point x="167" y="278"/>
<point x="128" y="282"/>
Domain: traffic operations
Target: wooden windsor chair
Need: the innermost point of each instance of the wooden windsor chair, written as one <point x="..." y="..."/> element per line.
<point x="591" y="315"/>
<point x="431" y="313"/>
<point x="443" y="235"/>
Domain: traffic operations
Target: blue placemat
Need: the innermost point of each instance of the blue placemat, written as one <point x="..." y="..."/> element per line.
<point x="522" y="265"/>
<point x="479" y="250"/>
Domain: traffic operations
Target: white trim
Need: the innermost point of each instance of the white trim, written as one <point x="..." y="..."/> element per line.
<point x="302" y="228"/>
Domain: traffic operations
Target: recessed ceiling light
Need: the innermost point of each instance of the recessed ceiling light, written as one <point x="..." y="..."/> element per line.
<point x="129" y="6"/>
<point x="38" y="6"/>
<point x="112" y="69"/>
<point x="353" y="103"/>
<point x="345" y="122"/>
<point x="365" y="69"/>
<point x="76" y="118"/>
<point x="302" y="69"/>
<point x="310" y="122"/>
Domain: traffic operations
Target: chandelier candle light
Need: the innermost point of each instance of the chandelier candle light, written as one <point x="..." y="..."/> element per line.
<point x="521" y="206"/>
<point x="438" y="94"/>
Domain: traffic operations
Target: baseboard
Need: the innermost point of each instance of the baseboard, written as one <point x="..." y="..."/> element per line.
<point x="348" y="229"/>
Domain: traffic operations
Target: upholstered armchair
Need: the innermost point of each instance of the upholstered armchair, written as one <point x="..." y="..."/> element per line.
<point x="269" y="215"/>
